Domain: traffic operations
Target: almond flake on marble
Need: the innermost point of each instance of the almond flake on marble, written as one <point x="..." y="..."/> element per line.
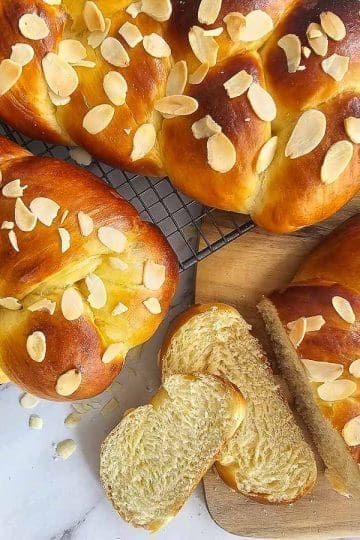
<point x="65" y="449"/>
<point x="109" y="407"/>
<point x="28" y="401"/>
<point x="72" y="420"/>
<point x="35" y="422"/>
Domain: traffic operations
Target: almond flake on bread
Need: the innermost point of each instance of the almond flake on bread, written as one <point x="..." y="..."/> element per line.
<point x="336" y="66"/>
<point x="351" y="432"/>
<point x="177" y="79"/>
<point x="112" y="238"/>
<point x="13" y="189"/>
<point x="96" y="38"/>
<point x="115" y="87"/>
<point x="98" y="118"/>
<point x="205" y="127"/>
<point x="25" y="220"/>
<point x="344" y="309"/>
<point x="143" y="142"/>
<point x="134" y="9"/>
<point x="45" y="210"/>
<point x="298" y="331"/>
<point x="98" y="295"/>
<point x="204" y="47"/>
<point x="72" y="306"/>
<point x="156" y="46"/>
<point x="71" y="50"/>
<point x="317" y="39"/>
<point x="10" y="73"/>
<point x="68" y="382"/>
<point x="86" y="224"/>
<point x="33" y="27"/>
<point x="221" y="153"/>
<point x="307" y="134"/>
<point x="322" y="371"/>
<point x="36" y="346"/>
<point x="44" y="304"/>
<point x="13" y="240"/>
<point x="352" y="128"/>
<point x="257" y="25"/>
<point x="336" y="161"/>
<point x="354" y="369"/>
<point x="336" y="390"/>
<point x="93" y="17"/>
<point x="209" y="11"/>
<point x="60" y="76"/>
<point x="65" y="239"/>
<point x="114" y="52"/>
<point x="131" y="34"/>
<point x="7" y="225"/>
<point x="262" y="102"/>
<point x="152" y="305"/>
<point x="238" y="84"/>
<point x="176" y="105"/>
<point x="266" y="155"/>
<point x="159" y="10"/>
<point x="22" y="53"/>
<point x="153" y="275"/>
<point x="199" y="74"/>
<point x="332" y="25"/>
<point x="114" y="352"/>
<point x="235" y="22"/>
<point x="9" y="302"/>
<point x="291" y="45"/>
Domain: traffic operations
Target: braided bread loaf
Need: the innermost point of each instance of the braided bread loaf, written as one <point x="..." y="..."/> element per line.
<point x="82" y="278"/>
<point x="314" y="324"/>
<point x="251" y="106"/>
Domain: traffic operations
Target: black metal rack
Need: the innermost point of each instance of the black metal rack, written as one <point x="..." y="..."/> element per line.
<point x="178" y="217"/>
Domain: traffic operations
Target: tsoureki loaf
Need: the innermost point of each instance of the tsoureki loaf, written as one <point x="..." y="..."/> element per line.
<point x="251" y="106"/>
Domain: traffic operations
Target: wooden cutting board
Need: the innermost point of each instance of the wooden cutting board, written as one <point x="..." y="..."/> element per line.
<point x="240" y="274"/>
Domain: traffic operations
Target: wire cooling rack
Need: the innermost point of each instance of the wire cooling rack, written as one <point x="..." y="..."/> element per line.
<point x="157" y="201"/>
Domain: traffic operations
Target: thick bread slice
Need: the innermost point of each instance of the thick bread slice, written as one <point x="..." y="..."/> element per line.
<point x="153" y="460"/>
<point x="268" y="458"/>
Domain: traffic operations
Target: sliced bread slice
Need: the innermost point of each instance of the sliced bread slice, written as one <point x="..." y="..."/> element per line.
<point x="268" y="458"/>
<point x="153" y="460"/>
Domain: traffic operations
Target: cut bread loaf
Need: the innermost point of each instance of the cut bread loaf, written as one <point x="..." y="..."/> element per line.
<point x="268" y="458"/>
<point x="153" y="460"/>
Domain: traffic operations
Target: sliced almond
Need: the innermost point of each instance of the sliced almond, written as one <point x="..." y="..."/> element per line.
<point x="35" y="422"/>
<point x="336" y="66"/>
<point x="98" y="295"/>
<point x="199" y="74"/>
<point x="153" y="275"/>
<point x="71" y="50"/>
<point x="65" y="449"/>
<point x="82" y="408"/>
<point x="354" y="369"/>
<point x="72" y="420"/>
<point x="332" y="25"/>
<point x="13" y="189"/>
<point x="7" y="225"/>
<point x="93" y="17"/>
<point x="159" y="10"/>
<point x="176" y="105"/>
<point x="143" y="141"/>
<point x="214" y="32"/>
<point x="33" y="27"/>
<point x="85" y="64"/>
<point x="13" y="240"/>
<point x="96" y="38"/>
<point x="65" y="239"/>
<point x="336" y="161"/>
<point x="209" y="11"/>
<point x="68" y="382"/>
<point x="98" y="118"/>
<point x="257" y="25"/>
<point x="336" y="390"/>
<point x="351" y="432"/>
<point x="114" y="52"/>
<point x="112" y="239"/>
<point x="307" y="134"/>
<point x="317" y="39"/>
<point x="322" y="371"/>
<point x="109" y="407"/>
<point x="118" y="264"/>
<point x="115" y="87"/>
<point x="53" y="2"/>
<point x="266" y="155"/>
<point x="315" y="323"/>
<point x="28" y="401"/>
<point x="61" y="78"/>
<point x="36" y="346"/>
<point x="262" y="103"/>
<point x="177" y="79"/>
<point x="64" y="216"/>
<point x="57" y="100"/>
<point x="204" y="47"/>
<point x="10" y="73"/>
<point x="156" y="46"/>
<point x="238" y="84"/>
<point x="131" y="34"/>
<point x="306" y="52"/>
<point x="113" y="352"/>
<point x="205" y="128"/>
<point x="152" y="305"/>
<point x="221" y="153"/>
<point x="45" y="210"/>
<point x="80" y="156"/>
<point x="291" y="45"/>
<point x="22" y="53"/>
<point x="43" y="305"/>
<point x="298" y="331"/>
<point x="86" y="224"/>
<point x="134" y="9"/>
<point x="352" y="128"/>
<point x="9" y="302"/>
<point x="235" y="23"/>
<point x="343" y="309"/>
<point x="119" y="309"/>
<point x="24" y="219"/>
<point x="72" y="306"/>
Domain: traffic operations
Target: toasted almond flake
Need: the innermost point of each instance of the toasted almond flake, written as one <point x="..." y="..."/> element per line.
<point x="205" y="128"/>
<point x="298" y="331"/>
<point x="65" y="449"/>
<point x="82" y="408"/>
<point x="22" y="53"/>
<point x="352" y="128"/>
<point x="52" y="2"/>
<point x="85" y="64"/>
<point x="336" y="161"/>
<point x="307" y="134"/>
<point x="266" y="155"/>
<point x="134" y="9"/>
<point x="336" y="66"/>
<point x="64" y="216"/>
<point x="119" y="309"/>
<point x="10" y="73"/>
<point x="332" y="25"/>
<point x="72" y="420"/>
<point x="114" y="52"/>
<point x="93" y="17"/>
<point x="109" y="407"/>
<point x="61" y="78"/>
<point x="344" y="309"/>
<point x="65" y="239"/>
<point x="209" y="11"/>
<point x="127" y="131"/>
<point x="291" y="45"/>
<point x="9" y="302"/>
<point x="199" y="74"/>
<point x="354" y="369"/>
<point x="306" y="52"/>
<point x="98" y="295"/>
<point x="336" y="390"/>
<point x="13" y="189"/>
<point x="24" y="219"/>
<point x="131" y="34"/>
<point x="115" y="87"/>
<point x="7" y="225"/>
<point x="113" y="352"/>
<point x="351" y="432"/>
<point x="322" y="371"/>
<point x="317" y="39"/>
<point x="71" y="50"/>
<point x="57" y="100"/>
<point x="118" y="264"/>
<point x="33" y="27"/>
<point x="257" y="25"/>
<point x="36" y="346"/>
<point x="112" y="239"/>
<point x="68" y="382"/>
<point x="262" y="103"/>
<point x="156" y="46"/>
<point x="45" y="210"/>
<point x="221" y="153"/>
<point x="143" y="141"/>
<point x="72" y="306"/>
<point x="314" y="323"/>
<point x="235" y="22"/>
<point x="214" y="32"/>
<point x="35" y="422"/>
<point x="13" y="240"/>
<point x="153" y="275"/>
<point x="176" y="105"/>
<point x="153" y="305"/>
<point x="43" y="305"/>
<point x="86" y="223"/>
<point x="80" y="156"/>
<point x="159" y="10"/>
<point x="98" y="118"/>
<point x="238" y="84"/>
<point x="204" y="47"/>
<point x="301" y="68"/>
<point x="28" y="401"/>
<point x="177" y="79"/>
<point x="96" y="38"/>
